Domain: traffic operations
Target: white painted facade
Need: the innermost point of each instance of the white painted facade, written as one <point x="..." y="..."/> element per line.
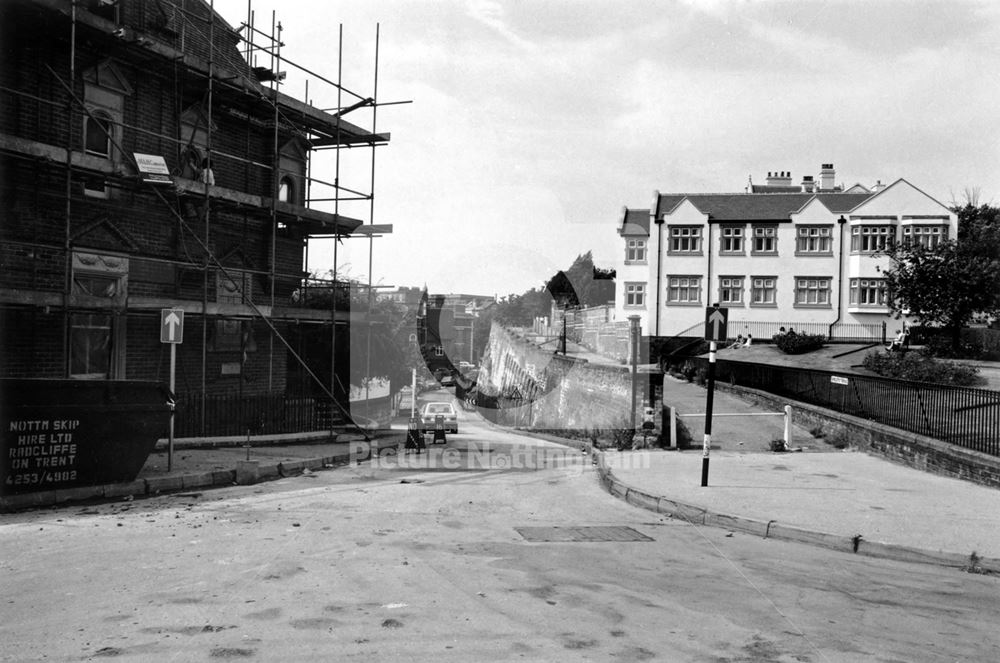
<point x="806" y="260"/>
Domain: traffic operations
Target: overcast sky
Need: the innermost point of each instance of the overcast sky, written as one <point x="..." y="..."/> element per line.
<point x="533" y="123"/>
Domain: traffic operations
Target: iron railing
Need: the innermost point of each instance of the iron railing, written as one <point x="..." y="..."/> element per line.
<point x="230" y="414"/>
<point x="256" y="414"/>
<point x="963" y="416"/>
<point x="841" y="332"/>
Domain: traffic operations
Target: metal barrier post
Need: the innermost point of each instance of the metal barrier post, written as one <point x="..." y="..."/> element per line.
<point x="673" y="428"/>
<point x="788" y="427"/>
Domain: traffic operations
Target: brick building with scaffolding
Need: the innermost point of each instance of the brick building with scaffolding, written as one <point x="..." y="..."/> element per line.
<point x="146" y="164"/>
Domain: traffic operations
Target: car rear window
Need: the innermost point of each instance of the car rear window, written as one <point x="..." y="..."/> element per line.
<point x="439" y="409"/>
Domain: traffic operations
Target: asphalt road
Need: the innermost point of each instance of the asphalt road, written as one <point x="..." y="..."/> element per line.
<point x="430" y="559"/>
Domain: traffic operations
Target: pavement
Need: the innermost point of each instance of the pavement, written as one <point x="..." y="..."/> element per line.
<point x="197" y="464"/>
<point x="820" y="495"/>
<point x="841" y="499"/>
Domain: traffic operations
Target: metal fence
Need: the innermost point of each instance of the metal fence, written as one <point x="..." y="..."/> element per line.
<point x="962" y="416"/>
<point x="256" y="414"/>
<point x="841" y="332"/>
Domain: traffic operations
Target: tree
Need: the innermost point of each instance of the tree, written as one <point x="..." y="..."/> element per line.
<point x="521" y="310"/>
<point x="979" y="229"/>
<point x="582" y="284"/>
<point x="945" y="285"/>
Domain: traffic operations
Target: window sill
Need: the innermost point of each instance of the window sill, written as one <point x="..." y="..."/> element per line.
<point x="636" y="262"/>
<point x="684" y="304"/>
<point x="814" y="254"/>
<point x="690" y="254"/>
<point x="813" y="306"/>
<point x="882" y="310"/>
<point x="752" y="305"/>
<point x="764" y="254"/>
<point x="732" y="254"/>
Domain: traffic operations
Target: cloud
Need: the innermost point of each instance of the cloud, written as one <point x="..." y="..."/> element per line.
<point x="533" y="123"/>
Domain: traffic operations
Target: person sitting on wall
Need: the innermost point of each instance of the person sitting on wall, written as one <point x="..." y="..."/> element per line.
<point x="749" y="341"/>
<point x="897" y="343"/>
<point x="738" y="343"/>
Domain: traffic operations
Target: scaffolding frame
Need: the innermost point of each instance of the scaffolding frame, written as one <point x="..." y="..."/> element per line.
<point x="186" y="68"/>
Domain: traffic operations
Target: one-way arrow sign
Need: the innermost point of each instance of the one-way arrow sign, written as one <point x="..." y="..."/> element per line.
<point x="171" y="325"/>
<point x="716" y="321"/>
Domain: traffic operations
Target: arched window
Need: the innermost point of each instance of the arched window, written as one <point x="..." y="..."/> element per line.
<point x="286" y="190"/>
<point x="97" y="130"/>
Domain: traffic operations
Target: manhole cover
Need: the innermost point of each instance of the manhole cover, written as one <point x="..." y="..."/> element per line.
<point x="590" y="534"/>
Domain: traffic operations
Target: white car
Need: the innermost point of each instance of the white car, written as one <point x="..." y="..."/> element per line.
<point x="431" y="411"/>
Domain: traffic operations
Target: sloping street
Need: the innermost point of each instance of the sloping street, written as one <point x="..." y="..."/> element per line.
<point x="458" y="555"/>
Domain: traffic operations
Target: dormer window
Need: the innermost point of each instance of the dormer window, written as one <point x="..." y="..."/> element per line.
<point x="194" y="160"/>
<point x="286" y="190"/>
<point x="104" y="92"/>
<point x="292" y="171"/>
<point x="97" y="132"/>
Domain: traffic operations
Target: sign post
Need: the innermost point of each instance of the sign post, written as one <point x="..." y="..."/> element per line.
<point x="172" y="333"/>
<point x="716" y="322"/>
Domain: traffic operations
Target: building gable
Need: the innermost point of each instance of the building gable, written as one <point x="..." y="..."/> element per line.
<point x="813" y="211"/>
<point x="686" y="212"/>
<point x="107" y="75"/>
<point x="901" y="199"/>
<point x="236" y="257"/>
<point x="104" y="233"/>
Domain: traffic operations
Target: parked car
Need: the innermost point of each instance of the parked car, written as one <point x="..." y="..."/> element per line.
<point x="465" y="366"/>
<point x="430" y="412"/>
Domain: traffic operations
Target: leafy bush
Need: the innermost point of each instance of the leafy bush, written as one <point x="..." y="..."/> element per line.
<point x="797" y="344"/>
<point x="920" y="367"/>
<point x="941" y="346"/>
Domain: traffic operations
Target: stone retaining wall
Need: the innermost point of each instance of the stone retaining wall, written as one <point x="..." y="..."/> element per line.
<point x="540" y="389"/>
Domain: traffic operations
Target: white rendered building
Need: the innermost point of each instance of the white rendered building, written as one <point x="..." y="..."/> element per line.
<point x="802" y="256"/>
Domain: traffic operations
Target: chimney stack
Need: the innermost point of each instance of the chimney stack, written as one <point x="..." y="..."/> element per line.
<point x="808" y="184"/>
<point x="827" y="175"/>
<point x="779" y="178"/>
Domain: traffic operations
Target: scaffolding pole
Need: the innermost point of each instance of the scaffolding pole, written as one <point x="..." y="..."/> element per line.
<point x="307" y="128"/>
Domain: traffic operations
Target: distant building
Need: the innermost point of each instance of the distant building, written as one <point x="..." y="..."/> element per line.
<point x="448" y="331"/>
<point x="778" y="254"/>
<point x="409" y="297"/>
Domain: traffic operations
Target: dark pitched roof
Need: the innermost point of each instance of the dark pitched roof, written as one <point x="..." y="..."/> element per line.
<point x="838" y="203"/>
<point x="749" y="206"/>
<point x="634" y="221"/>
<point x="743" y="207"/>
<point x="774" y="188"/>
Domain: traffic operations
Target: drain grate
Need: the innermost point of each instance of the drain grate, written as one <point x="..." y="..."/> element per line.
<point x="581" y="534"/>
